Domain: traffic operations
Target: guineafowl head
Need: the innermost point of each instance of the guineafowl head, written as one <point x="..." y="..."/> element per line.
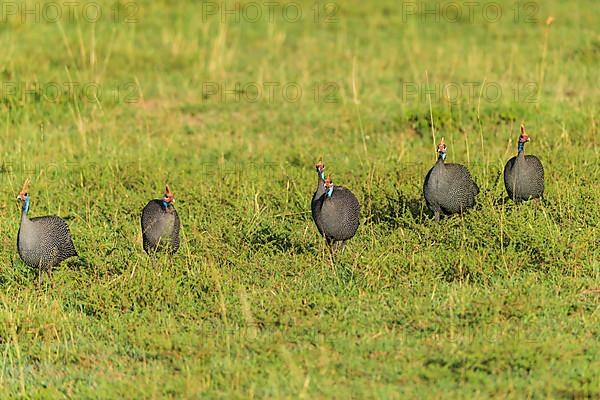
<point x="23" y="196"/>
<point x="524" y="138"/>
<point x="442" y="150"/>
<point x="328" y="186"/>
<point x="320" y="169"/>
<point x="168" y="198"/>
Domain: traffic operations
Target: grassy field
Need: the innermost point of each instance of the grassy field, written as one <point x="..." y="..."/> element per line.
<point x="503" y="302"/>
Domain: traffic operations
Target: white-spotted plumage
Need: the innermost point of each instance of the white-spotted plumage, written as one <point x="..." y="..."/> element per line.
<point x="160" y="225"/>
<point x="524" y="174"/>
<point x="448" y="188"/>
<point x="336" y="213"/>
<point x="42" y="242"/>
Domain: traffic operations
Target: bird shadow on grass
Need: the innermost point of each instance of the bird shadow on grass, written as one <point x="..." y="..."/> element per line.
<point x="279" y="239"/>
<point x="509" y="204"/>
<point x="18" y="273"/>
<point x="78" y="264"/>
<point x="399" y="211"/>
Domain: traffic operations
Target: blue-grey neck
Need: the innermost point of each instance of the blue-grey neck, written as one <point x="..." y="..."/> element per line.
<point x="322" y="174"/>
<point x="329" y="192"/>
<point x="521" y="147"/>
<point x="165" y="204"/>
<point x="320" y="191"/>
<point x="25" y="207"/>
<point x="441" y="156"/>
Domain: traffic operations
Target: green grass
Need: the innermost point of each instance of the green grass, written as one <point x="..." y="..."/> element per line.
<point x="499" y="303"/>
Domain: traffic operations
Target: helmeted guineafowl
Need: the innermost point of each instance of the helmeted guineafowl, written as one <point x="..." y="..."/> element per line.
<point x="337" y="214"/>
<point x="42" y="242"/>
<point x="524" y="175"/>
<point x="448" y="188"/>
<point x="314" y="204"/>
<point x="160" y="225"/>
